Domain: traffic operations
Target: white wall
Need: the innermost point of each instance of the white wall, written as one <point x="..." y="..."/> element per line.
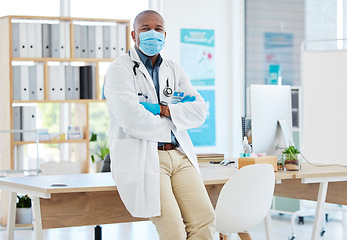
<point x="227" y="19"/>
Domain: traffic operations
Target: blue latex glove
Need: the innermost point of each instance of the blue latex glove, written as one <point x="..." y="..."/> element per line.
<point x="188" y="99"/>
<point x="152" y="107"/>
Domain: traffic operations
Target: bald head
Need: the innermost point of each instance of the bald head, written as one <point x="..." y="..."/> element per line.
<point x="145" y="16"/>
<point x="146" y="21"/>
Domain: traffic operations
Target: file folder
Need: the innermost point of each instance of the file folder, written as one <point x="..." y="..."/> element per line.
<point x="84" y="82"/>
<point x="69" y="74"/>
<point x="55" y="40"/>
<point x="91" y="42"/>
<point x="113" y="41"/>
<point x="62" y="39"/>
<point x="122" y="41"/>
<point x="76" y="83"/>
<point x="32" y="83"/>
<point x="38" y="40"/>
<point x="46" y="43"/>
<point x="31" y="35"/>
<point x="98" y="41"/>
<point x="84" y="41"/>
<point x="15" y="40"/>
<point x="29" y="122"/>
<point x="23" y="40"/>
<point x="106" y="42"/>
<point x="24" y="78"/>
<point x="77" y="41"/>
<point x="61" y="82"/>
<point x="53" y="82"/>
<point x="40" y="82"/>
<point x="67" y="39"/>
<point x="16" y="83"/>
<point x="17" y="123"/>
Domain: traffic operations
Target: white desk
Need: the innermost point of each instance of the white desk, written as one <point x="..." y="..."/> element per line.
<point x="92" y="199"/>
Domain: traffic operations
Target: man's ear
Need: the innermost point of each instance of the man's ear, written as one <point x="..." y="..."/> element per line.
<point x="133" y="36"/>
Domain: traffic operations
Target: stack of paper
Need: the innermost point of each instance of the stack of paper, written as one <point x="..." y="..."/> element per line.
<point x="210" y="157"/>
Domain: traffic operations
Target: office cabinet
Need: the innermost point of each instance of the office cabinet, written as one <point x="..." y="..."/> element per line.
<point x="54" y="60"/>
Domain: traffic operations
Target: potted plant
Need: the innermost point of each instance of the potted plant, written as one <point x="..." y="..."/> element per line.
<point x="100" y="151"/>
<point x="23" y="212"/>
<point x="291" y="159"/>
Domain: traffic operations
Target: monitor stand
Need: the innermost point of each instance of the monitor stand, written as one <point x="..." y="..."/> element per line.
<point x="287" y="134"/>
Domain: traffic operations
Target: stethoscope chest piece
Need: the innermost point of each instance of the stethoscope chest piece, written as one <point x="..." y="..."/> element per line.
<point x="167" y="92"/>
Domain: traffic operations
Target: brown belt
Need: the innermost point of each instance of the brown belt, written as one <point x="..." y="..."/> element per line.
<point x="167" y="146"/>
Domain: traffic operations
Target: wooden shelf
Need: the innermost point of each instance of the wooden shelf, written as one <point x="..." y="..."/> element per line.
<point x="63" y="101"/>
<point x="63" y="59"/>
<point x="65" y="18"/>
<point x="53" y="141"/>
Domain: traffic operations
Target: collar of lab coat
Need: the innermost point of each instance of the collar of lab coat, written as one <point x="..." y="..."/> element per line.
<point x="135" y="58"/>
<point x="163" y="70"/>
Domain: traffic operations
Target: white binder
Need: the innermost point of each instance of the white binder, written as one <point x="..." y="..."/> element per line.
<point x="106" y="42"/>
<point x="77" y="41"/>
<point x="15" y="40"/>
<point x="40" y="82"/>
<point x="38" y="40"/>
<point x="67" y="39"/>
<point x="17" y="120"/>
<point x="55" y="40"/>
<point x="69" y="74"/>
<point x="122" y="42"/>
<point x="99" y="41"/>
<point x="76" y="83"/>
<point x="61" y="82"/>
<point x="32" y="83"/>
<point x="17" y="89"/>
<point x="62" y="39"/>
<point x="23" y="40"/>
<point x="84" y="41"/>
<point x="113" y="42"/>
<point x="91" y="42"/>
<point x="46" y="43"/>
<point x="31" y="37"/>
<point x="24" y="83"/>
<point x="53" y="73"/>
<point x="29" y="122"/>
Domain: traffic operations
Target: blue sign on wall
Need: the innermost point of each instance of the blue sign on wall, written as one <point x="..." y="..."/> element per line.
<point x="198" y="56"/>
<point x="205" y="135"/>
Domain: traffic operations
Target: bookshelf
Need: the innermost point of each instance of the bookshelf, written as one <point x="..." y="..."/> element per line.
<point x="8" y="61"/>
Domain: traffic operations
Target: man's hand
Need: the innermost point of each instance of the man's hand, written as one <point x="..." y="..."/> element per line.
<point x="152" y="107"/>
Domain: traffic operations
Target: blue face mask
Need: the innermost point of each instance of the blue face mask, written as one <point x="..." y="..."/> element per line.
<point x="151" y="42"/>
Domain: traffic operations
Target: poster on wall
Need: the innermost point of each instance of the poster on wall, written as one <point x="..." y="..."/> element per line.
<point x="279" y="49"/>
<point x="198" y="56"/>
<point x="205" y="135"/>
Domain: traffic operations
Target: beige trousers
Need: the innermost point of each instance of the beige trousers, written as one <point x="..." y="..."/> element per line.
<point x="186" y="209"/>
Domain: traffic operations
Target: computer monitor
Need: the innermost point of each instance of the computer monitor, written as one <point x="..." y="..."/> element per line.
<point x="271" y="115"/>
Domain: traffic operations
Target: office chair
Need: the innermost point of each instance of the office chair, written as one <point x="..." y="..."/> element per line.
<point x="245" y="201"/>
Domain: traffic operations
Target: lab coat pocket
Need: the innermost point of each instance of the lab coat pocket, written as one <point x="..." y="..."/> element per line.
<point x="126" y="157"/>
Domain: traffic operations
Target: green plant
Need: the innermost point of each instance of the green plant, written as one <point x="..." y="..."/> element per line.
<point x="24" y="202"/>
<point x="102" y="148"/>
<point x="292" y="152"/>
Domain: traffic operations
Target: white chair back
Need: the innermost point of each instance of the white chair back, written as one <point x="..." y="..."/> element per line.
<point x="245" y="199"/>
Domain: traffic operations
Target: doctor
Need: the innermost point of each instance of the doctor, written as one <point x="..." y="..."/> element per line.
<point x="151" y="104"/>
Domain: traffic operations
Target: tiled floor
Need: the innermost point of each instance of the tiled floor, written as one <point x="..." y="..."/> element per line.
<point x="146" y="231"/>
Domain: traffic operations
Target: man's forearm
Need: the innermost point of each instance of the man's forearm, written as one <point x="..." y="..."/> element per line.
<point x="164" y="111"/>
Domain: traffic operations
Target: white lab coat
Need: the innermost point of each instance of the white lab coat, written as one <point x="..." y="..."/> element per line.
<point x="135" y="132"/>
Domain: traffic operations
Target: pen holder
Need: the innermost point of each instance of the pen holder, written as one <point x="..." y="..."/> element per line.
<point x="291" y="162"/>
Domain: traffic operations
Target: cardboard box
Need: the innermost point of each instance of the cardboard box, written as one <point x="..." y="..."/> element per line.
<point x="259" y="160"/>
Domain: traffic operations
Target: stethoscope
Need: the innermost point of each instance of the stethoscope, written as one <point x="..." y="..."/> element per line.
<point x="167" y="91"/>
